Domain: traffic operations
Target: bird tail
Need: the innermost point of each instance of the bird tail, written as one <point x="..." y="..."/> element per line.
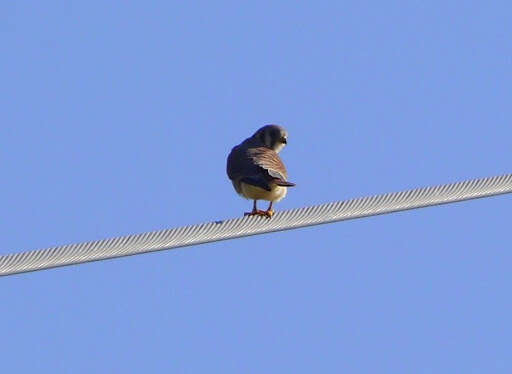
<point x="283" y="183"/>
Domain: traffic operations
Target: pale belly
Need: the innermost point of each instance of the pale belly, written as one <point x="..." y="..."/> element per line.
<point x="256" y="193"/>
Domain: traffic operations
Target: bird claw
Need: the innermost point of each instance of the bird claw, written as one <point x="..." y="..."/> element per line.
<point x="261" y="213"/>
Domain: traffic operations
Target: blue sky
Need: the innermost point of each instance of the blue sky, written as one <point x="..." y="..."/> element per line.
<point x="117" y="119"/>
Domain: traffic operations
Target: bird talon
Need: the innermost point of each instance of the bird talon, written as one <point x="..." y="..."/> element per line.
<point x="257" y="213"/>
<point x="269" y="213"/>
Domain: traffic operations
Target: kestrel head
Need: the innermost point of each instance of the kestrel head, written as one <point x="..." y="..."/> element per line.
<point x="272" y="136"/>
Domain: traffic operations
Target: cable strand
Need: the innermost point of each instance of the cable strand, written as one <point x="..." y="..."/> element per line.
<point x="239" y="227"/>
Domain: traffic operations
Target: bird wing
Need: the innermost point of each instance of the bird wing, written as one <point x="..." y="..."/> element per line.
<point x="241" y="168"/>
<point x="240" y="164"/>
<point x="256" y="166"/>
<point x="269" y="161"/>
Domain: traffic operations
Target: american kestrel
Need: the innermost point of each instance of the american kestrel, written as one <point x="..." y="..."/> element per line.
<point x="256" y="171"/>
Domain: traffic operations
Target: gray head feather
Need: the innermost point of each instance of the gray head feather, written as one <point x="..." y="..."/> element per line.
<point x="271" y="136"/>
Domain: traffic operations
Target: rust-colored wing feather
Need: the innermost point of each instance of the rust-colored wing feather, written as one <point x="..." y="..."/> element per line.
<point x="271" y="165"/>
<point x="269" y="161"/>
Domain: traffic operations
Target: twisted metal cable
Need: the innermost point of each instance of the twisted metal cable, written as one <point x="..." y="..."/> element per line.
<point x="238" y="227"/>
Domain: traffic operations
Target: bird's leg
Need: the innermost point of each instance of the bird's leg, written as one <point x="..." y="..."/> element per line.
<point x="255" y="211"/>
<point x="269" y="212"/>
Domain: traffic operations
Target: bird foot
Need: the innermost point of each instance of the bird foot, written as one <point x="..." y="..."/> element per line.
<point x="262" y="213"/>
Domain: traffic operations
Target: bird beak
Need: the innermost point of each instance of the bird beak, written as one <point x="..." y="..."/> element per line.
<point x="284" y="141"/>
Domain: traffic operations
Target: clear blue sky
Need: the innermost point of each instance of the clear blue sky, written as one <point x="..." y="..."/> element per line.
<point x="117" y="119"/>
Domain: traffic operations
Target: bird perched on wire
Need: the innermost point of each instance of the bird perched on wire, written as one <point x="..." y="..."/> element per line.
<point x="256" y="170"/>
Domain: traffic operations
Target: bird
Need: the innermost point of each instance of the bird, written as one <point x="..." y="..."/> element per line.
<point x="256" y="170"/>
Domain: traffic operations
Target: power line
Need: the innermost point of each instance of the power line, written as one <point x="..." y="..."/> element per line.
<point x="246" y="226"/>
